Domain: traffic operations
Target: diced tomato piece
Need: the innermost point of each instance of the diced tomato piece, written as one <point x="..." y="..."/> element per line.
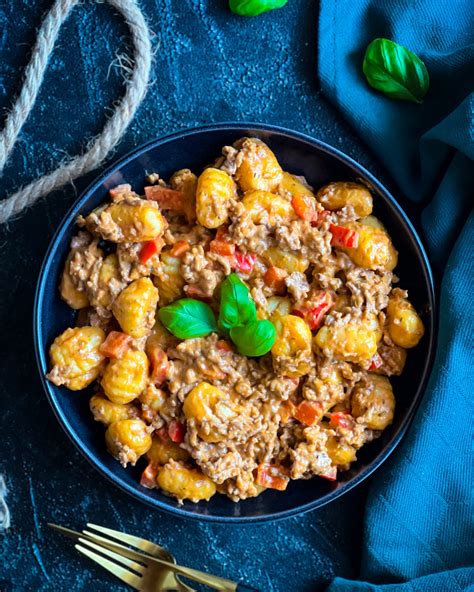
<point x="244" y="262"/>
<point x="287" y="411"/>
<point x="375" y="362"/>
<point x="180" y="248"/>
<point x="148" y="250"/>
<point x="319" y="219"/>
<point x="222" y="247"/>
<point x="168" y="199"/>
<point x="343" y="237"/>
<point x="330" y="474"/>
<point x="305" y="207"/>
<point x="315" y="308"/>
<point x="223" y="345"/>
<point x="115" y="345"/>
<point x="176" y="431"/>
<point x="119" y="190"/>
<point x="195" y="292"/>
<point x="149" y="475"/>
<point x="272" y="477"/>
<point x="163" y="434"/>
<point x="274" y="278"/>
<point x="308" y="412"/>
<point x="342" y="420"/>
<point x="159" y="364"/>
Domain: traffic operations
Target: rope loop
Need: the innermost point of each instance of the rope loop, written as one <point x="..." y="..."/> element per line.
<point x="136" y="86"/>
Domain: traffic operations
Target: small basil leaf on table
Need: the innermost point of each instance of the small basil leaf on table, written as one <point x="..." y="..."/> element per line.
<point x="254" y="339"/>
<point x="237" y="308"/>
<point x="188" y="318"/>
<point x="395" y="71"/>
<point x="254" y="7"/>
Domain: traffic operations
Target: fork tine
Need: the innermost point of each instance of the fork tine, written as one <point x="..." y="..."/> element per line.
<point x="123" y="574"/>
<point x="134" y="541"/>
<point x="116" y="556"/>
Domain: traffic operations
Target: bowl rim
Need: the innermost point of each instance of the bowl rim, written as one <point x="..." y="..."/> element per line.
<point x="69" y="218"/>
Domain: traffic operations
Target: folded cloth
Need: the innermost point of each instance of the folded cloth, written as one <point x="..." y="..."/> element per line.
<point x="419" y="528"/>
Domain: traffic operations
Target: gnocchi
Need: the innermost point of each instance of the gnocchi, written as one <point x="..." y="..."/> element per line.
<point x="337" y="195"/>
<point x="183" y="483"/>
<point x="134" y="308"/>
<point x="258" y="169"/>
<point x="75" y="357"/>
<point x="127" y="440"/>
<point x="214" y="195"/>
<point x="353" y="341"/>
<point x="404" y="324"/>
<point x="126" y="378"/>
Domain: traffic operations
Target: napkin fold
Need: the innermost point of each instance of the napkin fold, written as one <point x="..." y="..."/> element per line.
<point x="419" y="529"/>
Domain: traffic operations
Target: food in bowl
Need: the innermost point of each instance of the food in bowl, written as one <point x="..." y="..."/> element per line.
<point x="238" y="329"/>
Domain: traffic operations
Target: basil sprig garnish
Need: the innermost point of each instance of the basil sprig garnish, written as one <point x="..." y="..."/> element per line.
<point x="254" y="7"/>
<point x="237" y="308"/>
<point x="188" y="318"/>
<point x="395" y="71"/>
<point x="255" y="338"/>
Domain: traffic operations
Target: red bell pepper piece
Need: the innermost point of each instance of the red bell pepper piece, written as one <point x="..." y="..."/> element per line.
<point x="274" y="278"/>
<point x="330" y="474"/>
<point x="315" y="308"/>
<point x="339" y="419"/>
<point x="244" y="262"/>
<point x="272" y="477"/>
<point x="343" y="237"/>
<point x="115" y="345"/>
<point x="176" y="431"/>
<point x="159" y="364"/>
<point x="375" y="362"/>
<point x="305" y="207"/>
<point x="149" y="475"/>
<point x="179" y="248"/>
<point x="150" y="248"/>
<point x="168" y="199"/>
<point x="308" y="412"/>
<point x="318" y="220"/>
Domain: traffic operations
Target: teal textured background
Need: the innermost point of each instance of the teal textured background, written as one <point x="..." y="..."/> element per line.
<point x="210" y="66"/>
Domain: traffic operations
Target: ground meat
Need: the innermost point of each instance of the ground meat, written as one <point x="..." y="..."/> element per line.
<point x="202" y="271"/>
<point x="369" y="289"/>
<point x="231" y="160"/>
<point x="297" y="285"/>
<point x="85" y="261"/>
<point x="310" y="457"/>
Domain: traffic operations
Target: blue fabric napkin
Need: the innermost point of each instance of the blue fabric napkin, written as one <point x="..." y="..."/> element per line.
<point x="419" y="530"/>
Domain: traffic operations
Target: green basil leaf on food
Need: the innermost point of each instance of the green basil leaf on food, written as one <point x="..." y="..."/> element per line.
<point x="254" y="339"/>
<point x="237" y="308"/>
<point x="395" y="71"/>
<point x="254" y="7"/>
<point x="188" y="318"/>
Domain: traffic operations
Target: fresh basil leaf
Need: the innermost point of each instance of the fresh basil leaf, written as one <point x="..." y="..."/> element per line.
<point x="395" y="71"/>
<point x="254" y="7"/>
<point x="237" y="308"/>
<point x="188" y="318"/>
<point x="254" y="339"/>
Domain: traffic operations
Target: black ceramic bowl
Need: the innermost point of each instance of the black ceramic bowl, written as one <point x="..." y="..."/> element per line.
<point x="302" y="155"/>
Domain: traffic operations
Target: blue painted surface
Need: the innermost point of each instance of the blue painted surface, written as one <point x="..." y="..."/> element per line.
<point x="210" y="66"/>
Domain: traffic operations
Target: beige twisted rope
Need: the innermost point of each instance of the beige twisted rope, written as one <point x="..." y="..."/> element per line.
<point x="135" y="90"/>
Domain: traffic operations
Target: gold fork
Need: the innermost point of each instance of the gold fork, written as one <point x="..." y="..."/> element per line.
<point x="142" y="571"/>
